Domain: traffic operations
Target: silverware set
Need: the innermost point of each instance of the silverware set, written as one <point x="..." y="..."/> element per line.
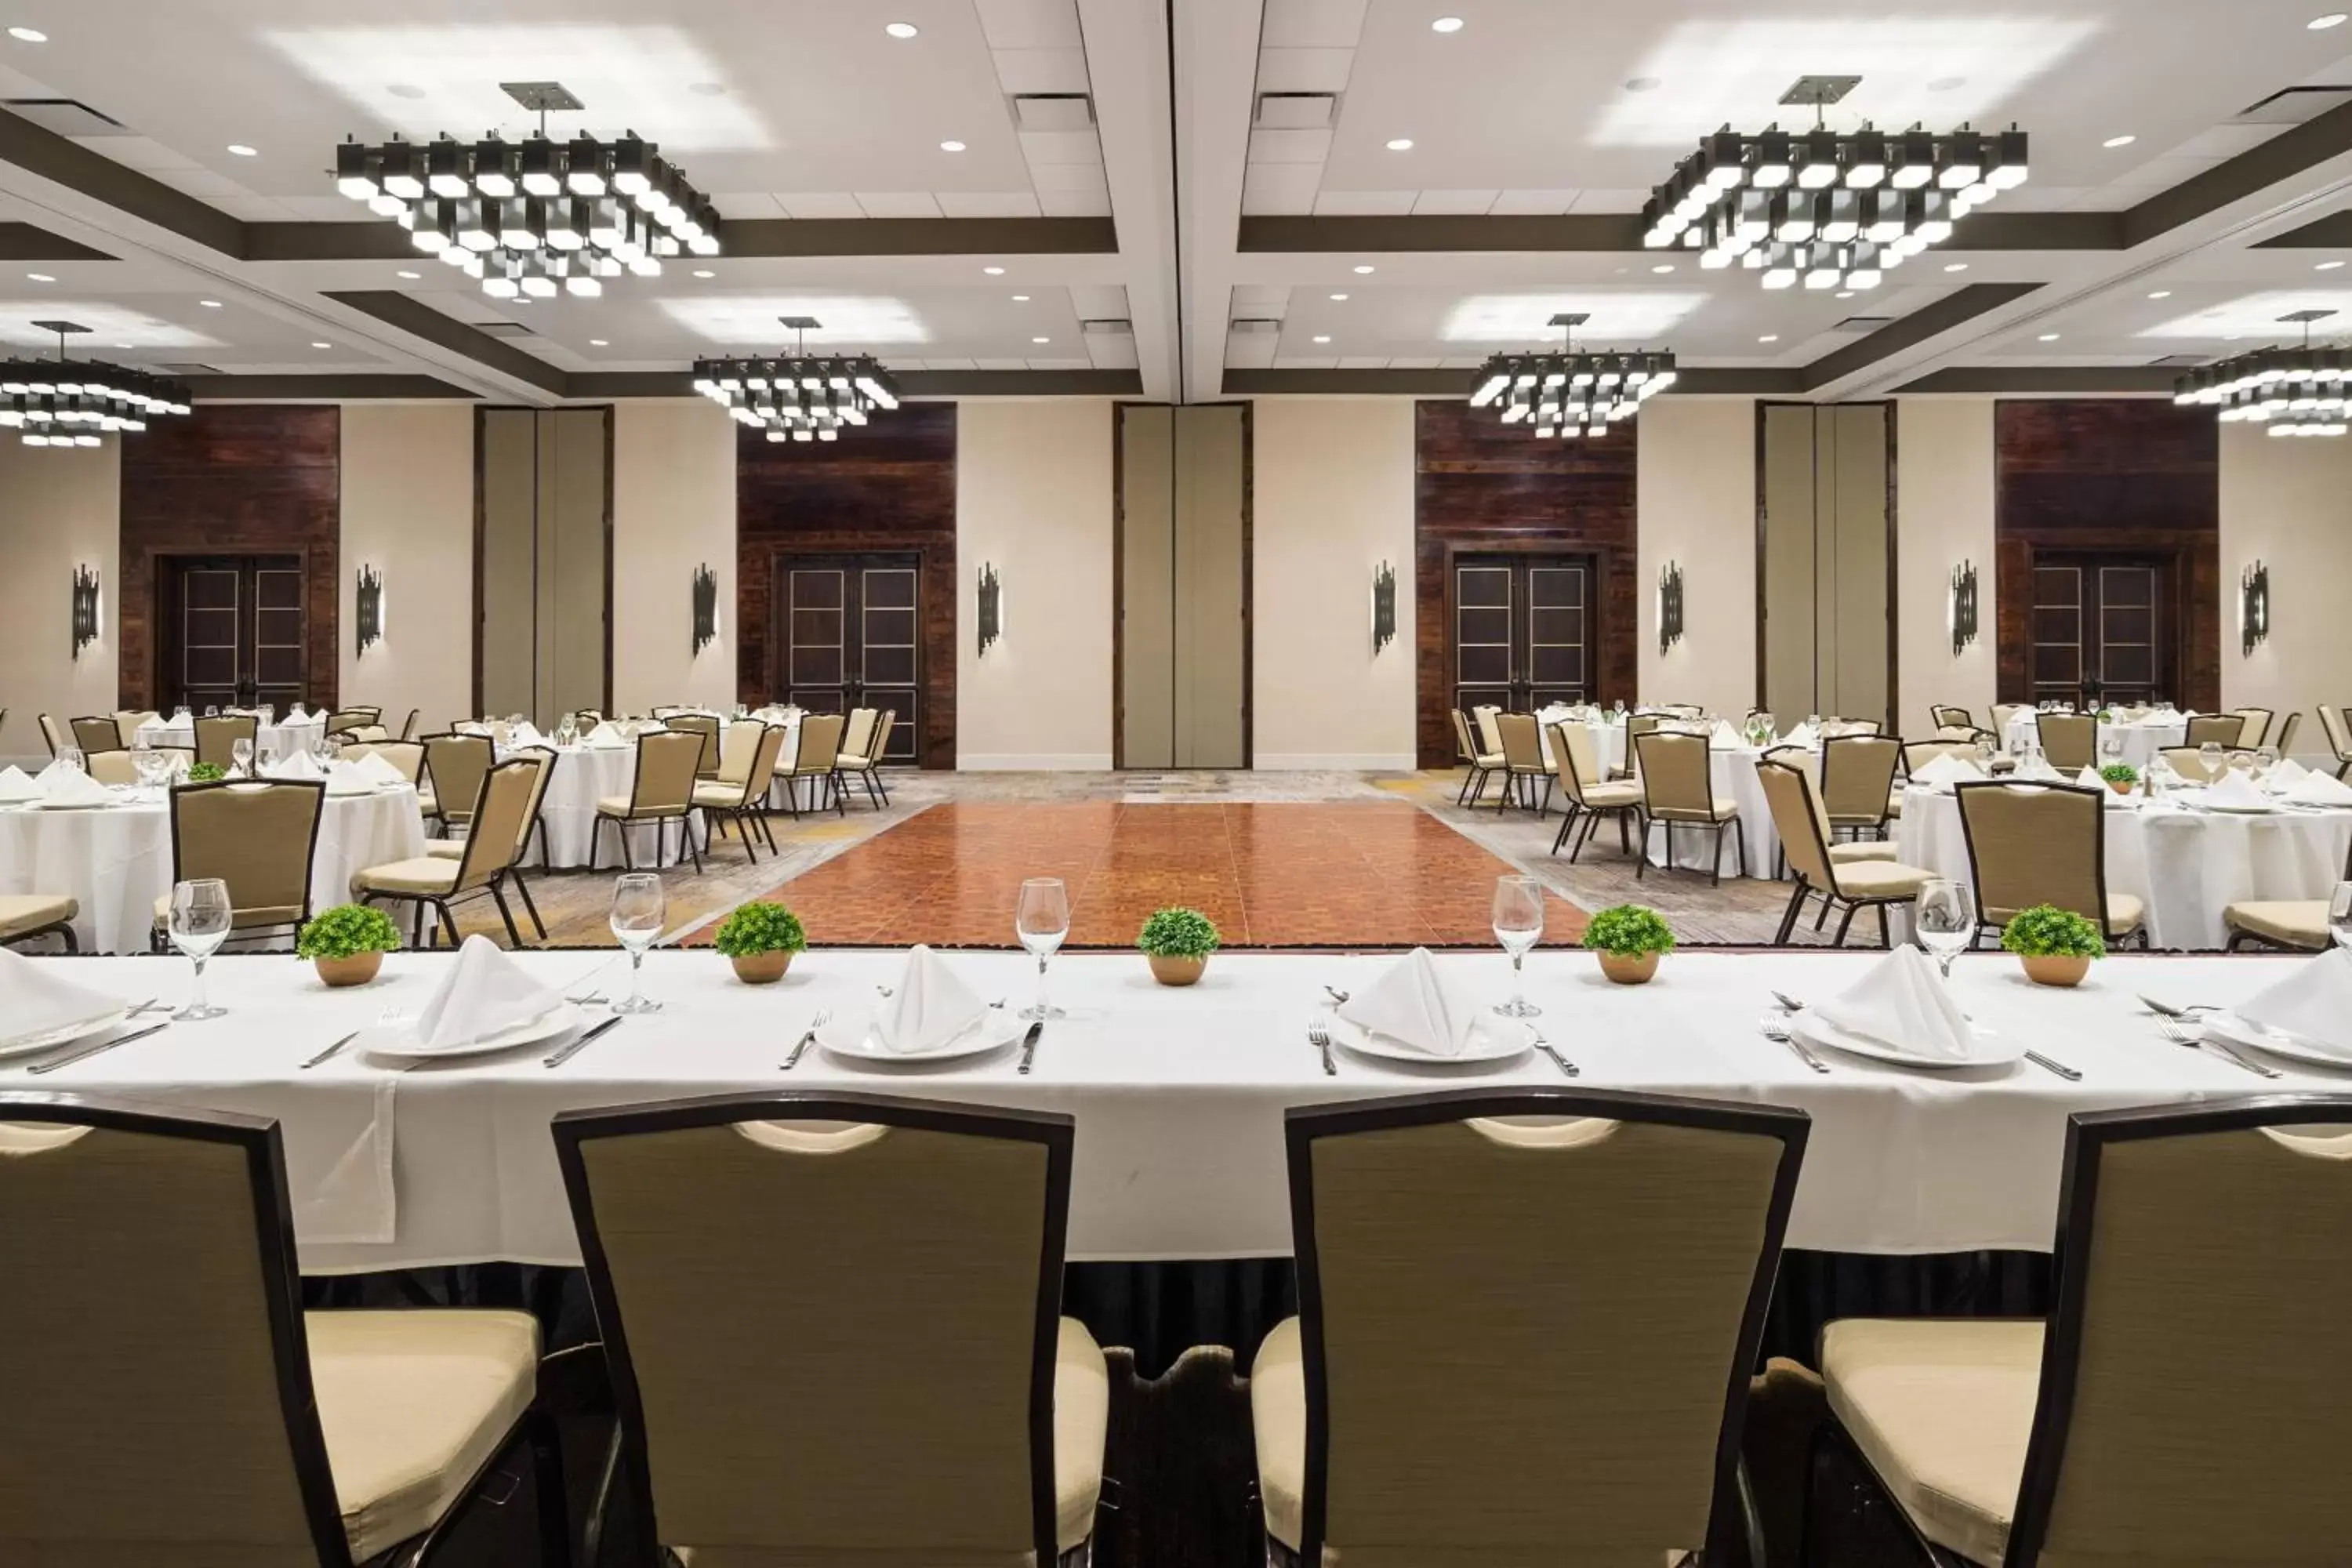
<point x="557" y="1059"/>
<point x="1320" y="1038"/>
<point x="2196" y="1039"/>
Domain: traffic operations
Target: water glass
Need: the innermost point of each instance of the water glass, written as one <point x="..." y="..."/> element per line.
<point x="267" y="712"/>
<point x="2266" y="758"/>
<point x="2210" y="757"/>
<point x="212" y="710"/>
<point x="1519" y="926"/>
<point x="2339" y="914"/>
<point x="1043" y="920"/>
<point x="71" y="760"/>
<point x="199" y="923"/>
<point x="240" y="755"/>
<point x="639" y="908"/>
<point x="1944" y="918"/>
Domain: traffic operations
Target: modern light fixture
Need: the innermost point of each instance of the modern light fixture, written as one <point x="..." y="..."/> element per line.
<point x="1401" y="144"/>
<point x="2253" y="607"/>
<point x="2292" y="391"/>
<point x="798" y="396"/>
<point x="2115" y="141"/>
<point x="1830" y="209"/>
<point x="367" y="605"/>
<point x="89" y="611"/>
<point x="534" y="218"/>
<point x="68" y="403"/>
<point x="1454" y="25"/>
<point x="1961" y="610"/>
<point x="706" y="607"/>
<point x="1670" y="606"/>
<point x="1570" y="394"/>
<point x="901" y="29"/>
<point x="1383" y="607"/>
<point x="992" y="607"/>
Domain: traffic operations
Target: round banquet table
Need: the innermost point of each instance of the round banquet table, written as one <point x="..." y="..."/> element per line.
<point x="2142" y="738"/>
<point x="2185" y="864"/>
<point x="1732" y="770"/>
<point x="586" y="774"/>
<point x="116" y="860"/>
<point x="275" y="739"/>
<point x="1607" y="741"/>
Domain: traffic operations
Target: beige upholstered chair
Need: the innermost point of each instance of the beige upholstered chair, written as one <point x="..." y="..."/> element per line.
<point x="454" y="765"/>
<point x="1858" y="783"/>
<point x="97" y="734"/>
<point x="257" y="835"/>
<point x="1576" y="763"/>
<point x="739" y="742"/>
<point x="662" y="792"/>
<point x="2181" y="1405"/>
<point x="2286" y="742"/>
<point x="1526" y="1320"/>
<point x="168" y="1401"/>
<point x="346" y="720"/>
<point x="708" y="728"/>
<point x="2255" y="727"/>
<point x="1523" y="763"/>
<point x="455" y="849"/>
<point x="812" y="763"/>
<point x="1678" y="790"/>
<point x="2331" y="724"/>
<point x="408" y="756"/>
<point x="767" y="1274"/>
<point x="2001" y="714"/>
<point x="857" y="732"/>
<point x="1481" y="761"/>
<point x="216" y="738"/>
<point x="866" y="765"/>
<point x="25" y="916"/>
<point x="744" y="800"/>
<point x="2189" y="763"/>
<point x="499" y="823"/>
<point x="57" y="737"/>
<point x="2070" y="742"/>
<point x="1845" y="885"/>
<point x="2042" y="844"/>
<point x="1946" y="715"/>
<point x="2215" y="729"/>
<point x="113" y="767"/>
<point x="1482" y="725"/>
<point x="2297" y="925"/>
<point x="1917" y="754"/>
<point x="1841" y="853"/>
<point x="127" y="722"/>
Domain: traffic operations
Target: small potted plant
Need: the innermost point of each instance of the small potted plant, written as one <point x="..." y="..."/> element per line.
<point x="205" y="772"/>
<point x="2120" y="777"/>
<point x="760" y="939"/>
<point x="1629" y="939"/>
<point x="1178" y="942"/>
<point x="347" y="943"/>
<point x="2055" y="946"/>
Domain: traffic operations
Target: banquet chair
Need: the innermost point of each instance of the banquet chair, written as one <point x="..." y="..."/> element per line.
<point x="169" y="1401"/>
<point x="2069" y="741"/>
<point x="26" y="916"/>
<point x="2189" y="763"/>
<point x="820" y="748"/>
<point x="661" y="790"/>
<point x="2332" y="725"/>
<point x="1682" y="711"/>
<point x="2285" y="742"/>
<point x="2256" y="727"/>
<point x="1482" y="725"/>
<point x="1858" y="783"/>
<point x="407" y="756"/>
<point x="2215" y="729"/>
<point x="1478" y="760"/>
<point x="867" y="763"/>
<point x="1917" y="754"/>
<point x="218" y="735"/>
<point x="708" y="728"/>
<point x="857" y="732"/>
<point x="348" y="721"/>
<point x="2291" y="925"/>
<point x="259" y="836"/>
<point x="2041" y="844"/>
<point x="2182" y="1403"/>
<point x="1849" y="883"/>
<point x="126" y="723"/>
<point x="1523" y="763"/>
<point x="456" y="763"/>
<point x="743" y="801"/>
<point x="1526" y="1323"/>
<point x="94" y="735"/>
<point x="1945" y="713"/>
<point x="408" y="726"/>
<point x="767" y="1274"/>
<point x="113" y="767"/>
<point x="499" y="821"/>
<point x="1678" y="790"/>
<point x="2002" y="712"/>
<point x="532" y="823"/>
<point x="1636" y="726"/>
<point x="1577" y="764"/>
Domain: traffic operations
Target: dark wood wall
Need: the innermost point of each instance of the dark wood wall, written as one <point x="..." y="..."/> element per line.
<point x="890" y="485"/>
<point x="2127" y="475"/>
<point x="232" y="479"/>
<point x="1483" y="485"/>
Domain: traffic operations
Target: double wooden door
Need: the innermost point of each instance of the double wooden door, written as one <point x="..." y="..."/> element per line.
<point x="2104" y="630"/>
<point x="230" y="620"/>
<point x="849" y="628"/>
<point x="1522" y="634"/>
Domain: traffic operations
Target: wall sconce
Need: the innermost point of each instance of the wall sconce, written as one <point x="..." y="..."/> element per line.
<point x="369" y="608"/>
<point x="88" y="609"/>
<point x="2254" y="607"/>
<point x="1383" y="607"/>
<point x="992" y="607"/>
<point x="1670" y="606"/>
<point x="1960" y="608"/>
<point x="706" y="607"/>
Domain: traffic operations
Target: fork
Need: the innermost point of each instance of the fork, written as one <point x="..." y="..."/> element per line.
<point x="824" y="1016"/>
<point x="1774" y="1031"/>
<point x="1320" y="1038"/>
<point x="389" y="1016"/>
<point x="2181" y="1034"/>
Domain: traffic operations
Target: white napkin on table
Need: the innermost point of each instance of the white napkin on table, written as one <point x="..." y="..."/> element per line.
<point x="376" y="771"/>
<point x="2284" y="772"/>
<point x="1948" y="769"/>
<point x="525" y="734"/>
<point x="2236" y="790"/>
<point x="2315" y="1001"/>
<point x="150" y="725"/>
<point x="35" y="998"/>
<point x="348" y="778"/>
<point x="1902" y="1003"/>
<point x="605" y="738"/>
<point x="2318" y="789"/>
<point x="1802" y="735"/>
<point x="929" y="1007"/>
<point x="62" y="786"/>
<point x="1416" y="1006"/>
<point x="2089" y="778"/>
<point x="301" y="766"/>
<point x="486" y="991"/>
<point x="1724" y="738"/>
<point x="17" y="785"/>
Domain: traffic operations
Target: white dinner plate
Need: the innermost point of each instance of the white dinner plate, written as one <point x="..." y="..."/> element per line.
<point x="396" y="1042"/>
<point x="2262" y="810"/>
<point x="854" y="1041"/>
<point x="2276" y="1042"/>
<point x="64" y="1034"/>
<point x="1494" y="1039"/>
<point x="72" y="805"/>
<point x="1816" y="1030"/>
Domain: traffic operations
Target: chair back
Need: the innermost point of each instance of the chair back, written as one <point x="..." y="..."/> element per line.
<point x="1640" y="725"/>
<point x="820" y="746"/>
<point x="739" y="742"/>
<point x="2002" y="712"/>
<point x="705" y="726"/>
<point x="1676" y="779"/>
<point x="408" y="726"/>
<point x="2331" y="724"/>
<point x="2031" y="844"/>
<point x="344" y="720"/>
<point x="2215" y="729"/>
<point x="2189" y="763"/>
<point x="1462" y="741"/>
<point x="502" y="816"/>
<point x="216" y="737"/>
<point x="668" y="761"/>
<point x="2255" y="728"/>
<point x="1799" y="819"/>
<point x="1575" y="758"/>
<point x="881" y="746"/>
<point x="1944" y="713"/>
<point x="2286" y="734"/>
<point x="2069" y="740"/>
<point x="126" y="723"/>
<point x="58" y="741"/>
<point x="255" y="835"/>
<point x="1857" y="774"/>
<point x="767" y="1273"/>
<point x="763" y="772"/>
<point x="1522" y="750"/>
<point x="1483" y="725"/>
<point x="858" y="733"/>
<point x="94" y="735"/>
<point x="1917" y="754"/>
<point x="113" y="767"/>
<point x="456" y="763"/>
<point x="408" y="756"/>
<point x="133" y="1431"/>
<point x="2194" y="1378"/>
<point x="1517" y="1336"/>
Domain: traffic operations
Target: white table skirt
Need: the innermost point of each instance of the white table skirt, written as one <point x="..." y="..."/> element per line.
<point x="278" y="739"/>
<point x="1607" y="744"/>
<point x="117" y="861"/>
<point x="584" y="776"/>
<point x="2187" y="866"/>
<point x="1733" y="773"/>
<point x="2141" y="741"/>
<point x="1178" y="1095"/>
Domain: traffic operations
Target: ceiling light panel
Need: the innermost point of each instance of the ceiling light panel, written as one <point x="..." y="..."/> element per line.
<point x="748" y="321"/>
<point x="1629" y="318"/>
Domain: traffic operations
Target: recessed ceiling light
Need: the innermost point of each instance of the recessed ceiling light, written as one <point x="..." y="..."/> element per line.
<point x="600" y="343"/>
<point x="1401" y="144"/>
<point x="993" y="271"/>
<point x="1323" y="338"/>
<point x="1041" y="340"/>
<point x="1339" y="296"/>
<point x="210" y="304"/>
<point x="40" y="277"/>
<point x="1956" y="266"/>
<point x="901" y="29"/>
<point x="2118" y="141"/>
<point x="704" y="272"/>
<point x="1663" y="267"/>
<point x="412" y="277"/>
<point x="1454" y="25"/>
<point x="1642" y="84"/>
<point x="2049" y="337"/>
<point x="2161" y="294"/>
<point x="31" y="36"/>
<point x="1363" y="271"/>
<point x="122" y="345"/>
<point x="322" y="345"/>
<point x="1770" y="338"/>
<point x="2328" y="267"/>
<point x="1845" y="293"/>
<point x="950" y="146"/>
<point x="2317" y="24"/>
<point x="1021" y="298"/>
<point x="242" y="151"/>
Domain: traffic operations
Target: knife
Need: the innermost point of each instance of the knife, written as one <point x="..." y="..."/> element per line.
<point x="559" y="1058"/>
<point x="86" y="1052"/>
<point x="331" y="1050"/>
<point x="1029" y="1043"/>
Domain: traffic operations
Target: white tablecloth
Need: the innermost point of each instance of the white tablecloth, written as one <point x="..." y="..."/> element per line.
<point x="1179" y="1096"/>
<point x="279" y="740"/>
<point x="584" y="776"/>
<point x="117" y="860"/>
<point x="2186" y="865"/>
<point x="2141" y="740"/>
<point x="1733" y="773"/>
<point x="1608" y="741"/>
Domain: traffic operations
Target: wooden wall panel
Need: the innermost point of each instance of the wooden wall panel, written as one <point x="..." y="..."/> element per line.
<point x="890" y="485"/>
<point x="232" y="479"/>
<point x="2132" y="474"/>
<point x="1483" y="485"/>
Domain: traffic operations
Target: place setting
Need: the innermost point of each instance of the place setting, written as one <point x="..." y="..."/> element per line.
<point x="485" y="1006"/>
<point x="2303" y="1019"/>
<point x="929" y="1018"/>
<point x="54" y="1022"/>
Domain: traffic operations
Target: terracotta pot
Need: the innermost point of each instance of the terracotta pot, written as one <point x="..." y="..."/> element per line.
<point x="761" y="968"/>
<point x="357" y="969"/>
<point x="2121" y="786"/>
<point x="1629" y="970"/>
<point x="2055" y="971"/>
<point x="1176" y="971"/>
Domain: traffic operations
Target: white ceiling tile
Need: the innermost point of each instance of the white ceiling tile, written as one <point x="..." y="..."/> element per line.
<point x="1271" y="189"/>
<point x="950" y="365"/>
<point x="202" y="183"/>
<point x="1074" y="204"/>
<point x="1251" y="350"/>
<point x="1531" y="203"/>
<point x="1453" y="202"/>
<point x="2227" y="141"/>
<point x="1363" y="362"/>
<point x="1046" y="147"/>
<point x="1414" y="362"/>
<point x="1271" y="146"/>
<point x="819" y="203"/>
<point x="1364" y="203"/>
<point x="987" y="204"/>
<point x="1304" y="70"/>
<point x="139" y="153"/>
<point x="1030" y="24"/>
<point x="899" y="203"/>
<point x="1312" y="24"/>
<point x="1035" y="363"/>
<point x="1042" y="70"/>
<point x="1111" y="351"/>
<point x="1064" y="179"/>
<point x="1098" y="301"/>
<point x="1305" y="362"/>
<point x="1259" y="299"/>
<point x="748" y="204"/>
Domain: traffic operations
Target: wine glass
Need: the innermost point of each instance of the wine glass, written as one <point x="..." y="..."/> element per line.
<point x="150" y="765"/>
<point x="240" y="755"/>
<point x="1519" y="926"/>
<point x="1043" y="919"/>
<point x="1943" y="917"/>
<point x="2339" y="914"/>
<point x="2110" y="747"/>
<point x="268" y="713"/>
<point x="212" y="710"/>
<point x="2266" y="759"/>
<point x="71" y="758"/>
<point x="639" y="908"/>
<point x="199" y="923"/>
<point x="2209" y="757"/>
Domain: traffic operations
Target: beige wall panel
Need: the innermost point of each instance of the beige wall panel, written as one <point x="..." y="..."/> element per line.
<point x="2288" y="504"/>
<point x="60" y="508"/>
<point x="510" y="612"/>
<point x="1943" y="516"/>
<point x="1148" y="629"/>
<point x="1211" y="445"/>
<point x="673" y="510"/>
<point x="408" y="511"/>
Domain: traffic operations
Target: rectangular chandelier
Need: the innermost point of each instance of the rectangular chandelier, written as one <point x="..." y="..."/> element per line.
<point x="71" y="402"/>
<point x="534" y="218"/>
<point x="803" y="398"/>
<point x="1562" y="396"/>
<point x="2289" y="391"/>
<point x="1828" y="209"/>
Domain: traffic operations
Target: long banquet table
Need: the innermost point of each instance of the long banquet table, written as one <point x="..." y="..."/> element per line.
<point x="1178" y="1095"/>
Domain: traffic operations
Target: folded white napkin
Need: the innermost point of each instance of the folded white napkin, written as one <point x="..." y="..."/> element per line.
<point x="2037" y="768"/>
<point x="525" y="734"/>
<point x="2089" y="778"/>
<point x="1413" y="1005"/>
<point x="149" y="725"/>
<point x="2318" y="789"/>
<point x="2234" y="791"/>
<point x="605" y="738"/>
<point x="2315" y="1001"/>
<point x="376" y="771"/>
<point x="485" y="992"/>
<point x="1901" y="1002"/>
<point x="348" y="778"/>
<point x="302" y="766"/>
<point x="1948" y="769"/>
<point x="1802" y="735"/>
<point x="929" y="1007"/>
<point x="35" y="998"/>
<point x="17" y="785"/>
<point x="62" y="786"/>
<point x="2284" y="772"/>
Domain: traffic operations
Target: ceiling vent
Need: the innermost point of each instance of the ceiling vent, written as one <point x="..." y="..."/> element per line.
<point x="1053" y="112"/>
<point x="1248" y="326"/>
<point x="504" y="329"/>
<point x="66" y="117"/>
<point x="1298" y="110"/>
<point x="1862" y="323"/>
<point x="2294" y="106"/>
<point x="1108" y="326"/>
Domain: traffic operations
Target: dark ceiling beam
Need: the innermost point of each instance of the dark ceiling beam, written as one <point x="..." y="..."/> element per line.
<point x="2333" y="232"/>
<point x="39" y="151"/>
<point x="2281" y="158"/>
<point x="2048" y="380"/>
<point x="1619" y="233"/>
<point x="329" y="389"/>
<point x="1955" y="310"/>
<point x="24" y="242"/>
<point x="408" y="314"/>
